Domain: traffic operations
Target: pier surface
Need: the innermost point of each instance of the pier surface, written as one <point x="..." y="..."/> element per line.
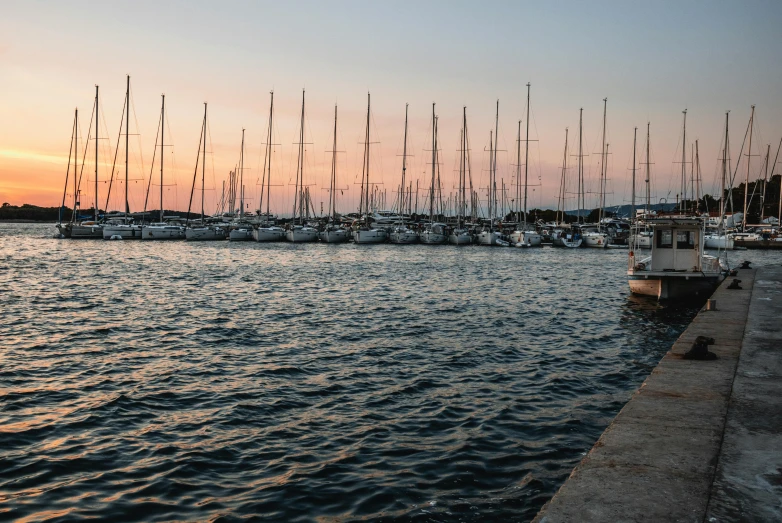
<point x="699" y="440"/>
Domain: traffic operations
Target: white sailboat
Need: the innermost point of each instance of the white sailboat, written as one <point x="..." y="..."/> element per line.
<point x="720" y="239"/>
<point x="202" y="231"/>
<point x="267" y="230"/>
<point x="460" y="235"/>
<point x="401" y="233"/>
<point x="301" y="232"/>
<point x="241" y="230"/>
<point x="365" y="233"/>
<point x="595" y="236"/>
<point x="91" y="229"/>
<point x="433" y="233"/>
<point x="641" y="236"/>
<point x="64" y="228"/>
<point x="126" y="229"/>
<point x="162" y="230"/>
<point x="332" y="232"/>
<point x="488" y="235"/>
<point x="524" y="236"/>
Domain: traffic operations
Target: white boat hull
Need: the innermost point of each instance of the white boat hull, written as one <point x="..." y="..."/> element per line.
<point x="432" y="238"/>
<point x="126" y="232"/>
<point x="303" y="235"/>
<point x="334" y="236"/>
<point x="460" y="238"/>
<point x="641" y="242"/>
<point x="404" y="236"/>
<point x="718" y="242"/>
<point x="489" y="238"/>
<point x="268" y="234"/>
<point x="370" y="236"/>
<point x="86" y="231"/>
<point x="168" y="232"/>
<point x="596" y="240"/>
<point x="526" y="238"/>
<point x="240" y="235"/>
<point x="672" y="287"/>
<point x="204" y="234"/>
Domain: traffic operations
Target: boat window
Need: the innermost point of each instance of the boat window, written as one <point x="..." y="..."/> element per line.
<point x="665" y="239"/>
<point x="685" y="240"/>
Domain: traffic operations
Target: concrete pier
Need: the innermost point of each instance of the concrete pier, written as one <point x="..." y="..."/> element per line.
<point x="699" y="440"/>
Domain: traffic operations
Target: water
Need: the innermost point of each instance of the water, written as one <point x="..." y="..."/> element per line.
<point x="150" y="381"/>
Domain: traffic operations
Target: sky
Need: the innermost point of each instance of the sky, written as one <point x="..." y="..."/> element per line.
<point x="651" y="60"/>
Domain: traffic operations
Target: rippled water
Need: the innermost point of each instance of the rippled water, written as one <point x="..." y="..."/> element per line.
<point x="147" y="381"/>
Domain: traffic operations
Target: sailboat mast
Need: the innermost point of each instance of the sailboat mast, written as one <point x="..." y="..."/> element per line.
<point x="269" y="145"/>
<point x="76" y="165"/>
<point x="749" y="159"/>
<point x="301" y="200"/>
<point x="518" y="176"/>
<point x="632" y="199"/>
<point x="561" y="200"/>
<point x="580" y="164"/>
<point x="365" y="195"/>
<point x="602" y="168"/>
<point x="684" y="162"/>
<point x="434" y="159"/>
<point x="404" y="170"/>
<point x="724" y="169"/>
<point x="203" y="168"/>
<point x="493" y="195"/>
<point x="162" y="155"/>
<point x="96" y="152"/>
<point x="526" y="160"/>
<point x="648" y="189"/>
<point x="332" y="196"/>
<point x="241" y="179"/>
<point x="127" y="141"/>
<point x="697" y="169"/>
<point x="765" y="178"/>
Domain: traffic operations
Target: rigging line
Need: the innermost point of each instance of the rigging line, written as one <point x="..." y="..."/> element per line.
<point x="152" y="166"/>
<point x="86" y="146"/>
<point x="71" y="148"/>
<point x="201" y="141"/>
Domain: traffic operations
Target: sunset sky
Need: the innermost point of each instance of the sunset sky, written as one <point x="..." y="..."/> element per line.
<point x="650" y="59"/>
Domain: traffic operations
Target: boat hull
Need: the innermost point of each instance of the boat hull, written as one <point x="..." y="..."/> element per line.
<point x="526" y="238"/>
<point x="489" y="238"/>
<point x="673" y="287"/>
<point x="86" y="232"/>
<point x="334" y="236"/>
<point x="370" y="236"/>
<point x="269" y="234"/>
<point x="595" y="240"/>
<point x="163" y="233"/>
<point x="302" y="235"/>
<point x="204" y="234"/>
<point x="433" y="238"/>
<point x="240" y="235"/>
<point x="460" y="238"/>
<point x="126" y="232"/>
<point x="405" y="236"/>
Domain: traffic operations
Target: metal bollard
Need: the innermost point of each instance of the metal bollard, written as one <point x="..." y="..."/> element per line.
<point x="711" y="305"/>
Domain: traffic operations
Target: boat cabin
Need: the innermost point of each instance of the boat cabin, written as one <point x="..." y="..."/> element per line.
<point x="677" y="244"/>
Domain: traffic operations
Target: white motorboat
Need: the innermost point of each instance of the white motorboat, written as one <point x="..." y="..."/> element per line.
<point x="369" y="235"/>
<point x="677" y="267"/>
<point x="205" y="233"/>
<point x="271" y="233"/>
<point x="434" y="234"/>
<point x="162" y="231"/>
<point x="719" y="241"/>
<point x="460" y="237"/>
<point x="301" y="234"/>
<point x="334" y="234"/>
<point x="402" y="235"/>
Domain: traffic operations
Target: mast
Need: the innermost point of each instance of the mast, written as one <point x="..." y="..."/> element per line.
<point x="602" y="168"/>
<point x="75" y="166"/>
<point x="684" y="162"/>
<point x="493" y="188"/>
<point x="765" y="178"/>
<point x="203" y="169"/>
<point x="434" y="160"/>
<point x="162" y="156"/>
<point x="773" y="166"/>
<point x="632" y="202"/>
<point x="581" y="202"/>
<point x="724" y="170"/>
<point x="268" y="162"/>
<point x="698" y="178"/>
<point x="561" y="200"/>
<point x="526" y="160"/>
<point x="518" y="177"/>
<point x="241" y="180"/>
<point x="96" y="153"/>
<point x="648" y="188"/>
<point x="332" y="195"/>
<point x="127" y="141"/>
<point x="364" y="203"/>
<point x="404" y="169"/>
<point x="749" y="159"/>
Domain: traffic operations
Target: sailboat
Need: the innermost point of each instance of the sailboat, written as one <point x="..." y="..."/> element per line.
<point x="202" y="231"/>
<point x="162" y="230"/>
<point x="332" y="232"/>
<point x="488" y="236"/>
<point x="433" y="233"/>
<point x="401" y="233"/>
<point x="300" y="232"/>
<point x="365" y="233"/>
<point x="267" y="230"/>
<point x="64" y="229"/>
<point x="720" y="239"/>
<point x="126" y="230"/>
<point x="241" y="230"/>
<point x="91" y="228"/>
<point x="594" y="236"/>
<point x="524" y="236"/>
<point x="460" y="235"/>
<point x="641" y="237"/>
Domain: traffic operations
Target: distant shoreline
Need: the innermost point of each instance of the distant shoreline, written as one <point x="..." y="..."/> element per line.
<point x="25" y="221"/>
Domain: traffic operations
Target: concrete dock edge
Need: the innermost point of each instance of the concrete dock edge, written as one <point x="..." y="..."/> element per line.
<point x="658" y="460"/>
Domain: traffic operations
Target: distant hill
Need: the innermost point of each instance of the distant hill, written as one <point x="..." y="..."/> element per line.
<point x="624" y="210"/>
